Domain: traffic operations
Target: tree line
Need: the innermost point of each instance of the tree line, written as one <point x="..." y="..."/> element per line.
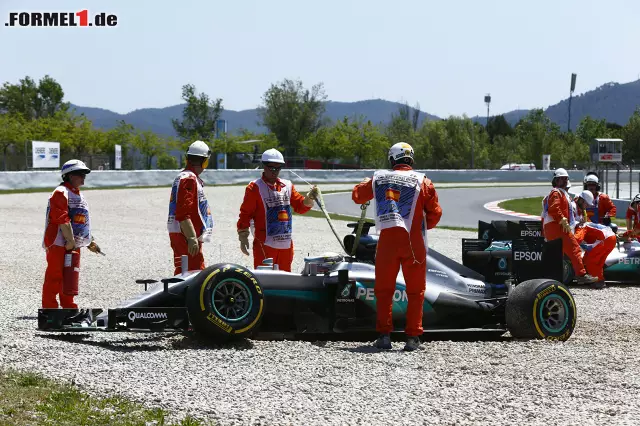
<point x="294" y="118"/>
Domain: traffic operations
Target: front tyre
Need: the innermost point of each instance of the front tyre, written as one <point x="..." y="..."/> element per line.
<point x="225" y="301"/>
<point x="541" y="309"/>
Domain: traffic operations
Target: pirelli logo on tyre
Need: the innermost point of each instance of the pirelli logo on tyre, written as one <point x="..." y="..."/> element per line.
<point x="545" y="292"/>
<point x="217" y="321"/>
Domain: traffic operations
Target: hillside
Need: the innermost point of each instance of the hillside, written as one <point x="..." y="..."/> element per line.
<point x="612" y="101"/>
<point x="159" y="119"/>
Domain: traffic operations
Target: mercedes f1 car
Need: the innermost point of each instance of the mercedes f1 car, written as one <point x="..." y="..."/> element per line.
<point x="622" y="265"/>
<point x="334" y="293"/>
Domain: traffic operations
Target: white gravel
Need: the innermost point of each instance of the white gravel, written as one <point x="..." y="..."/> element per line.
<point x="594" y="378"/>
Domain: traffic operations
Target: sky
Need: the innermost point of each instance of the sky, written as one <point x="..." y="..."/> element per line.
<point x="445" y="55"/>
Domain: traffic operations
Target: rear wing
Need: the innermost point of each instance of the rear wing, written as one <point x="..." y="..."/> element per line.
<point x="515" y="250"/>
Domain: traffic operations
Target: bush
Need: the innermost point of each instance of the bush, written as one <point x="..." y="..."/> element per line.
<point x="167" y="162"/>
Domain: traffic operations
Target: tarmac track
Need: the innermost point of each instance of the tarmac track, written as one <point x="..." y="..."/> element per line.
<point x="460" y="206"/>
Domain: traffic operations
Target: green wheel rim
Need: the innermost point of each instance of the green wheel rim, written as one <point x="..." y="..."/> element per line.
<point x="553" y="313"/>
<point x="231" y="300"/>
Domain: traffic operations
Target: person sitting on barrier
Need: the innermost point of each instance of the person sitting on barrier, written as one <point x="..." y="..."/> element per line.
<point x="268" y="203"/>
<point x="190" y="222"/>
<point x="67" y="228"/>
<point x="559" y="221"/>
<point x="603" y="208"/>
<point x="597" y="240"/>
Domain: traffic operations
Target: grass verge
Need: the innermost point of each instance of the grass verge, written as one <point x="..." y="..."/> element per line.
<point x="318" y="214"/>
<point x="533" y="205"/>
<point x="27" y="399"/>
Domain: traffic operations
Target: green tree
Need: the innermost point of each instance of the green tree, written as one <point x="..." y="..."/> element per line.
<point x="631" y="137"/>
<point x="121" y="135"/>
<point x="539" y="135"/>
<point x="436" y="134"/>
<point x="49" y="100"/>
<point x="292" y="112"/>
<point x="14" y="132"/>
<point x="506" y="149"/>
<point x="167" y="162"/>
<point x="588" y="129"/>
<point x="498" y="126"/>
<point x="326" y="144"/>
<point x="32" y="101"/>
<point x="400" y="129"/>
<point x="149" y="145"/>
<point x="199" y="116"/>
<point x="362" y="142"/>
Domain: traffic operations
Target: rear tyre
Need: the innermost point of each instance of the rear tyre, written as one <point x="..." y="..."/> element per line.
<point x="568" y="274"/>
<point x="225" y="301"/>
<point x="541" y="309"/>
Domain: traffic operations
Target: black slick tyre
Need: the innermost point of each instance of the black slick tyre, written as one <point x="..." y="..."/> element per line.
<point x="225" y="301"/>
<point x="541" y="309"/>
<point x="568" y="275"/>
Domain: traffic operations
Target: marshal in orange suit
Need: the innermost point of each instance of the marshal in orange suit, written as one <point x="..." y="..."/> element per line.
<point x="406" y="201"/>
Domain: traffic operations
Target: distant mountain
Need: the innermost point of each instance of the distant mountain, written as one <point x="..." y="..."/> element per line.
<point x="512" y="117"/>
<point x="613" y="102"/>
<point x="159" y="119"/>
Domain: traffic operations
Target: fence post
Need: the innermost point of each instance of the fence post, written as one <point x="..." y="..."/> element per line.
<point x="617" y="180"/>
<point x="630" y="182"/>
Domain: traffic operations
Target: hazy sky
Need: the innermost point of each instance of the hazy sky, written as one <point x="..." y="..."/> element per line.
<point x="446" y="55"/>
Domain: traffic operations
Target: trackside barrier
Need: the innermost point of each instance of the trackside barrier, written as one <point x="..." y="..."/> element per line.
<point x="128" y="178"/>
<point x="621" y="207"/>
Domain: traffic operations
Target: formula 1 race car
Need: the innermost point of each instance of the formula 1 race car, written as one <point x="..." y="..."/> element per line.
<point x="622" y="265"/>
<point x="334" y="293"/>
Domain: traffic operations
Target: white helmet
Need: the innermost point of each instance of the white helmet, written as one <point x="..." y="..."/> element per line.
<point x="636" y="199"/>
<point x="272" y="156"/>
<point x="400" y="150"/>
<point x="199" y="149"/>
<point x="591" y="179"/>
<point x="587" y="196"/>
<point x="560" y="173"/>
<point x="74" y="166"/>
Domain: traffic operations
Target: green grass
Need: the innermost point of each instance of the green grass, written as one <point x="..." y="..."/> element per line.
<point x="533" y="205"/>
<point x="27" y="399"/>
